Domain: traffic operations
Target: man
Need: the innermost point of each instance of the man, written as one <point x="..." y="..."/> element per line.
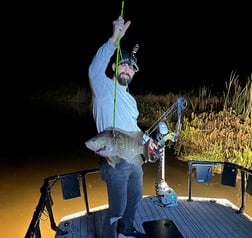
<point x="124" y="180"/>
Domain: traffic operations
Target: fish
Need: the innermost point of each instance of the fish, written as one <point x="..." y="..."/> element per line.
<point x="114" y="142"/>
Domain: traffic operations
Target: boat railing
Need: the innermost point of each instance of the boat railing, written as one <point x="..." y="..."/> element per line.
<point x="70" y="189"/>
<point x="243" y="171"/>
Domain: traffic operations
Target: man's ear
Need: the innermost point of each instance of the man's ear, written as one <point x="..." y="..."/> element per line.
<point x="113" y="66"/>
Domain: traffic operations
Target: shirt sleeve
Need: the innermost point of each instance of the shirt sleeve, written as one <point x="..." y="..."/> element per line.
<point x="97" y="69"/>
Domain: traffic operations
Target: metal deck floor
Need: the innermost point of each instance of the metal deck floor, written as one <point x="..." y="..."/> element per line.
<point x="202" y="217"/>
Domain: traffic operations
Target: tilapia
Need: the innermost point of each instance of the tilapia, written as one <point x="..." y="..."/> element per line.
<point x="114" y="142"/>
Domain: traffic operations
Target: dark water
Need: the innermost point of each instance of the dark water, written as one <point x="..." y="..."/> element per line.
<point x="43" y="140"/>
<point x="39" y="129"/>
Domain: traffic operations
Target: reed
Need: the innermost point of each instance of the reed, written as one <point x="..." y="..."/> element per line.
<point x="213" y="128"/>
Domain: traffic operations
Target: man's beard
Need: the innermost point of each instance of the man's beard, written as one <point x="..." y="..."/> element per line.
<point x="122" y="79"/>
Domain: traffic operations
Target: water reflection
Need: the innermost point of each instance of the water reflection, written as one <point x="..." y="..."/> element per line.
<point x="48" y="141"/>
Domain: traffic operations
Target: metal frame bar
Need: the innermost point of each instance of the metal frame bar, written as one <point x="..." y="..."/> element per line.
<point x="45" y="201"/>
<point x="204" y="163"/>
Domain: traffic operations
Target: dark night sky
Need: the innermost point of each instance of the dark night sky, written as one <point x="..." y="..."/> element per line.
<point x="182" y="46"/>
<point x="186" y="45"/>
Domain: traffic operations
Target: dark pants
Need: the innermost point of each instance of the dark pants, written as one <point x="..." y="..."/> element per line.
<point x="125" y="187"/>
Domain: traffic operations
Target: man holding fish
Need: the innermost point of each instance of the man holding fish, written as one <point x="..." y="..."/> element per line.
<point x="120" y="140"/>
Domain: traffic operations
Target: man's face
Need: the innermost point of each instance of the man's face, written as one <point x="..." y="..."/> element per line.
<point x="125" y="74"/>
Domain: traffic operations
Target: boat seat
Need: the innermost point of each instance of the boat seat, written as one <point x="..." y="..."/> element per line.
<point x="162" y="229"/>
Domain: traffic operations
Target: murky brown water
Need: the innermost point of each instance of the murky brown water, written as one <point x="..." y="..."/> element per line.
<point x="21" y="181"/>
<point x="53" y="145"/>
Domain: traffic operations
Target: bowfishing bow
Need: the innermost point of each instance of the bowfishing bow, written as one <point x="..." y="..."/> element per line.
<point x="160" y="126"/>
<point x="167" y="195"/>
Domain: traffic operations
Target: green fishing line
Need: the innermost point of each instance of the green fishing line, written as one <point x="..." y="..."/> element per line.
<point x="116" y="69"/>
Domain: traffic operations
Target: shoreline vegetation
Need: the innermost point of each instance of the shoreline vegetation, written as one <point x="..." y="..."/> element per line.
<point x="214" y="126"/>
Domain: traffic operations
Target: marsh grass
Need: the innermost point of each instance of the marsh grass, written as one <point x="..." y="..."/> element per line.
<point x="214" y="127"/>
<point x="238" y="97"/>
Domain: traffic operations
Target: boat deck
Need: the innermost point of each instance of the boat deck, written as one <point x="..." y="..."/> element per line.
<point x="199" y="217"/>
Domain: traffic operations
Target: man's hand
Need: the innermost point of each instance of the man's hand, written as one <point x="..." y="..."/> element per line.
<point x="119" y="29"/>
<point x="154" y="152"/>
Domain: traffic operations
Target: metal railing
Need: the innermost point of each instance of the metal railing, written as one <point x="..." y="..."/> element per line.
<point x="72" y="186"/>
<point x="45" y="201"/>
<point x="243" y="171"/>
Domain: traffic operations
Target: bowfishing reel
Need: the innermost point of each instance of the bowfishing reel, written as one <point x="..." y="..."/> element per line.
<point x="160" y="142"/>
<point x="157" y="153"/>
<point x="162" y="131"/>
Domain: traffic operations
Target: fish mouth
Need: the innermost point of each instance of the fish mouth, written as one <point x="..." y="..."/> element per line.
<point x="101" y="149"/>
